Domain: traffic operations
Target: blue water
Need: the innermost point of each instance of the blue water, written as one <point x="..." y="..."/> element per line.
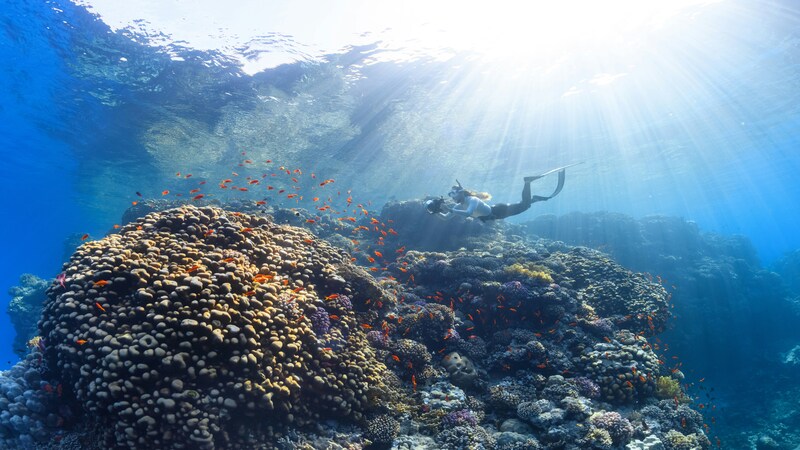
<point x="699" y="120"/>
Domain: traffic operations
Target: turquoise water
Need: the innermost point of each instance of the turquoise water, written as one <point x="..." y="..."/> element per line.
<point x="696" y="118"/>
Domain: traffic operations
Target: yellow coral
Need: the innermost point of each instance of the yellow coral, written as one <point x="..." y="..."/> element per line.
<point x="538" y="274"/>
<point x="34" y="342"/>
<point x="599" y="438"/>
<point x="668" y="387"/>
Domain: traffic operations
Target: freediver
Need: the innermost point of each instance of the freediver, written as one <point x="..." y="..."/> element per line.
<point x="472" y="204"/>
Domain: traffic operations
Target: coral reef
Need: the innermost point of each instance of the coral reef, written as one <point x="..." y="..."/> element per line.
<point x="382" y="429"/>
<point x="462" y="371"/>
<point x="668" y="387"/>
<point x="25" y="309"/>
<point x="207" y="328"/>
<point x="788" y="267"/>
<point x="31" y="410"/>
<point x="618" y="427"/>
<point x="192" y="316"/>
<point x="533" y="272"/>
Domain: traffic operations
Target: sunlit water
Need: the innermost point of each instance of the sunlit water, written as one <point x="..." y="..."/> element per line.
<point x="694" y="115"/>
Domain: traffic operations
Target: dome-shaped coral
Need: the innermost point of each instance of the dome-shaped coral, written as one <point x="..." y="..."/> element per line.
<point x="191" y="316"/>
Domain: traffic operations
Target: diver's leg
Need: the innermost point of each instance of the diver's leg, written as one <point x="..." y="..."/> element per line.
<point x="515" y="208"/>
<point x="526" y="193"/>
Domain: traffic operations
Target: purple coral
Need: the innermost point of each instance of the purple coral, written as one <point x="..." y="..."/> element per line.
<point x="602" y="327"/>
<point x="378" y="339"/>
<point x="461" y="417"/>
<point x="344" y="302"/>
<point x="618" y="427"/>
<point x="587" y="387"/>
<point x="320" y="321"/>
<point x="514" y="290"/>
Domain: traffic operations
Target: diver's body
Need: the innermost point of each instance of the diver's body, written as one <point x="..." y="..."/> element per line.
<point x="469" y="205"/>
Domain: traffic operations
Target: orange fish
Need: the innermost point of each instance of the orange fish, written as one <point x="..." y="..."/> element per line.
<point x="101" y="283"/>
<point x="414" y="382"/>
<point x="209" y="233"/>
<point x="194" y="191"/>
<point x="370" y="259"/>
<point x="334" y="317"/>
<point x="84" y="237"/>
<point x="228" y="260"/>
<point x="253" y="182"/>
<point x="332" y="296"/>
<point x="116" y="227"/>
<point x="198" y="197"/>
<point x="396" y="358"/>
<point x="81" y="341"/>
<point x="99" y="306"/>
<point x="243" y="189"/>
<point x="366" y="326"/>
<point x="378" y="254"/>
<point x="193" y="269"/>
<point x="260" y="278"/>
<point x="134" y="203"/>
<point x="246" y="230"/>
<point x="165" y="192"/>
<point x="261" y="202"/>
<point x="310" y="221"/>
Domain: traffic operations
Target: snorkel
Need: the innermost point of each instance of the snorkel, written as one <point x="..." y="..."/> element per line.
<point x="456" y="191"/>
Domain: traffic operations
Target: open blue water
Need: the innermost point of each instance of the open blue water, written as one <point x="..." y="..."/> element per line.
<point x="699" y="119"/>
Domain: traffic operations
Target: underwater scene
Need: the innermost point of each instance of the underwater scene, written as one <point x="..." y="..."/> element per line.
<point x="425" y="225"/>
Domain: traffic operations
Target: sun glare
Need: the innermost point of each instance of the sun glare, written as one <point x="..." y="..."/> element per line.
<point x="512" y="30"/>
<point x="517" y="30"/>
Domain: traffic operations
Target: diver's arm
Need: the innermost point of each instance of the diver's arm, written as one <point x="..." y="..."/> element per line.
<point x="471" y="205"/>
<point x="447" y="214"/>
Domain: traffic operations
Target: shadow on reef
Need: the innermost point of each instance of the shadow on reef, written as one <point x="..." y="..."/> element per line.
<point x="199" y="327"/>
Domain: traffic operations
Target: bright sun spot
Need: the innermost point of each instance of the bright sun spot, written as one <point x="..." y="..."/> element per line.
<point x="512" y="30"/>
<point x="536" y="28"/>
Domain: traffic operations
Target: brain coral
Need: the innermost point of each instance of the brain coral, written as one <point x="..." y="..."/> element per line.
<point x="192" y="316"/>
